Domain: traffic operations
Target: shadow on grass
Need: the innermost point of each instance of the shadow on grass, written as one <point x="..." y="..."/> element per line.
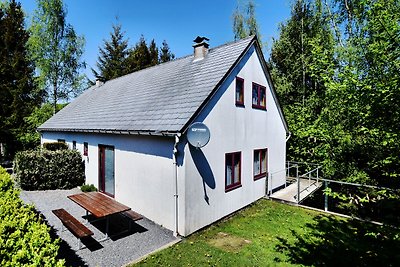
<point x="331" y="241"/>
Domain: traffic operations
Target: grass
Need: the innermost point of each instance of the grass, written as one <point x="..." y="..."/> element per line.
<point x="272" y="234"/>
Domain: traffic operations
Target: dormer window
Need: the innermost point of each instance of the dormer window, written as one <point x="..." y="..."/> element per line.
<point x="239" y="93"/>
<point x="259" y="99"/>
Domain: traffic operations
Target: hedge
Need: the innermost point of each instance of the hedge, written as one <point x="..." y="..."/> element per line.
<point x="53" y="146"/>
<point x="24" y="237"/>
<point x="47" y="170"/>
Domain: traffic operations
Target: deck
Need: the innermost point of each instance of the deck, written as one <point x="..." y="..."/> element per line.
<point x="289" y="193"/>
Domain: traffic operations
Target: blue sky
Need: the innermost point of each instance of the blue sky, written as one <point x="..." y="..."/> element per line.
<point x="178" y="22"/>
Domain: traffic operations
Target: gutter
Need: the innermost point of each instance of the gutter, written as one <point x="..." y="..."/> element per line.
<point x="174" y="160"/>
<point x="111" y="131"/>
<point x="288" y="137"/>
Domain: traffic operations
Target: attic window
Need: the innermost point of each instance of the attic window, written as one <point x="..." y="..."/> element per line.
<point x="259" y="99"/>
<point x="239" y="93"/>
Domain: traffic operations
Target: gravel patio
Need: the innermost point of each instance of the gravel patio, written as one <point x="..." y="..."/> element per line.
<point x="122" y="248"/>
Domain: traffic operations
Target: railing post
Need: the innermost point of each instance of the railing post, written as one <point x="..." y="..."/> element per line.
<point x="298" y="184"/>
<point x="317" y="175"/>
<point x="326" y="197"/>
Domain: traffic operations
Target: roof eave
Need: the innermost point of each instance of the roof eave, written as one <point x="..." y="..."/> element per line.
<point x="111" y="131"/>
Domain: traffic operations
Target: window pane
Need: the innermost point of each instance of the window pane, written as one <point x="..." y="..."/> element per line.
<point x="262" y="97"/>
<point x="256" y="165"/>
<point x="264" y="161"/>
<point x="236" y="164"/>
<point x="239" y="91"/>
<point x="255" y="94"/>
<point x="228" y="169"/>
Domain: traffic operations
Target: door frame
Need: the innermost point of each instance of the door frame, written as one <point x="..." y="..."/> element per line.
<point x="101" y="167"/>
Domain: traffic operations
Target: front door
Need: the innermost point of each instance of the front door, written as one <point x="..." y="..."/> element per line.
<point x="106" y="170"/>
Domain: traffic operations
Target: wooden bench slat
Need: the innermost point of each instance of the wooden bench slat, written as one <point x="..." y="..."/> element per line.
<point x="132" y="215"/>
<point x="72" y="224"/>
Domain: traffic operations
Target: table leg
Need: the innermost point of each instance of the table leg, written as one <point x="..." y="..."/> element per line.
<point x="107" y="223"/>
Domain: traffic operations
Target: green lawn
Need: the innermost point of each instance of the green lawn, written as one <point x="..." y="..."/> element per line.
<point x="273" y="234"/>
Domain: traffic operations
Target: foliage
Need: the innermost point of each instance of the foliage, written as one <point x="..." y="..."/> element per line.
<point x="244" y="21"/>
<point x="54" y="146"/>
<point x="301" y="59"/>
<point x="273" y="234"/>
<point x="47" y="170"/>
<point x="31" y="137"/>
<point x="24" y="237"/>
<point x="19" y="94"/>
<point x="88" y="188"/>
<point x="111" y="62"/>
<point x="165" y="53"/>
<point x="363" y="95"/>
<point x="56" y="49"/>
<point x="116" y="59"/>
<point x="339" y="87"/>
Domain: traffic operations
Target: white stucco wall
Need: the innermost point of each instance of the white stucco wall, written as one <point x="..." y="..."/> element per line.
<point x="144" y="177"/>
<point x="234" y="129"/>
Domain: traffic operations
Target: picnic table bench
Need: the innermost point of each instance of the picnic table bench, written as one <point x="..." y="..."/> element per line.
<point x="73" y="225"/>
<point x="133" y="216"/>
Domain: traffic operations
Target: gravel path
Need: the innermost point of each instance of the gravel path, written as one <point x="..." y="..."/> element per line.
<point x="144" y="237"/>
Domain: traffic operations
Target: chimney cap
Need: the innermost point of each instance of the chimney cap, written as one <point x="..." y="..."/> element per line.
<point x="200" y="39"/>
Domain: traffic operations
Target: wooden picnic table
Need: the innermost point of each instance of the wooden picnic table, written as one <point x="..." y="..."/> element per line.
<point x="99" y="205"/>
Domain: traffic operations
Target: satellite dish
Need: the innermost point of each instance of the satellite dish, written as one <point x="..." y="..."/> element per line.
<point x="198" y="134"/>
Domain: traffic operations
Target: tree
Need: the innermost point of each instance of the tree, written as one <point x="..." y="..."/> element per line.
<point x="18" y="92"/>
<point x="165" y="53"/>
<point x="56" y="49"/>
<point x="302" y="61"/>
<point x="111" y="62"/>
<point x="366" y="89"/>
<point x="139" y="56"/>
<point x="245" y="22"/>
<point x="153" y="50"/>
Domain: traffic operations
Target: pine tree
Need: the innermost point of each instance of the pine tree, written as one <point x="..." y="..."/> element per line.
<point x="112" y="62"/>
<point x="57" y="50"/>
<point x="166" y="54"/>
<point x="18" y="92"/>
<point x="153" y="50"/>
<point x="139" y="57"/>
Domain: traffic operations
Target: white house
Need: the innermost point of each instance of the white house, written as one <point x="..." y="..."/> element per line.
<point x="132" y="134"/>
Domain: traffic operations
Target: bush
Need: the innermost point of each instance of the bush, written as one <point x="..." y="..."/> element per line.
<point x="24" y="237"/>
<point x="54" y="146"/>
<point x="46" y="170"/>
<point x="88" y="188"/>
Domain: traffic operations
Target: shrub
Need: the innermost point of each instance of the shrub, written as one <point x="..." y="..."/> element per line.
<point x="88" y="188"/>
<point x="54" y="146"/>
<point x="46" y="170"/>
<point x="24" y="237"/>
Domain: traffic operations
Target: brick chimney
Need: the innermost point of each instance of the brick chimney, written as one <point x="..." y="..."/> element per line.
<point x="200" y="48"/>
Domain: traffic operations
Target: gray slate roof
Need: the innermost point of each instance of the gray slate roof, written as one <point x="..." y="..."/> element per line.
<point x="162" y="98"/>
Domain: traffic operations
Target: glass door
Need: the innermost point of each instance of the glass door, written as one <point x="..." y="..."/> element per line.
<point x="106" y="170"/>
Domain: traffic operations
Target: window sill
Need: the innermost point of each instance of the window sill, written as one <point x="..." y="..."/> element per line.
<point x="259" y="107"/>
<point x="232" y="187"/>
<point x="260" y="176"/>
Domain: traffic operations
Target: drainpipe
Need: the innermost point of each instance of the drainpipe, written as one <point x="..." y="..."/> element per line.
<point x="174" y="159"/>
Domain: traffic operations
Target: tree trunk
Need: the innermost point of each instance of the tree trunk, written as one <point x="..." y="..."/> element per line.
<point x="54" y="98"/>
